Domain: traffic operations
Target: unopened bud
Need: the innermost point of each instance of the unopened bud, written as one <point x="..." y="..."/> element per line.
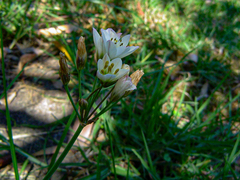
<point x="83" y="103"/>
<point x="81" y="54"/>
<point x="63" y="70"/>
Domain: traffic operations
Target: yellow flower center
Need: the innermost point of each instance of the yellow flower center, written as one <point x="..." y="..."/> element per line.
<point x="108" y="69"/>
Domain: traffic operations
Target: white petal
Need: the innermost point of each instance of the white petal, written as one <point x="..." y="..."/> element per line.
<point x="99" y="47"/>
<point x="106" y="77"/>
<point x="117" y="64"/>
<point x="105" y="58"/>
<point x="111" y="49"/>
<point x="121" y="73"/>
<point x="113" y="34"/>
<point x="96" y="36"/>
<point x="100" y="64"/>
<point x="132" y="87"/>
<point x="125" y="40"/>
<point x="120" y="50"/>
<point x="129" y="50"/>
<point x="105" y="35"/>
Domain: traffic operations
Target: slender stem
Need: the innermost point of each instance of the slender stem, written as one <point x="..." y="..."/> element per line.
<point x="64" y="153"/>
<point x="93" y="92"/>
<point x="70" y="120"/>
<point x="9" y="127"/>
<point x="74" y="106"/>
<point x="100" y="103"/>
<point x="112" y="152"/>
<point x="91" y="103"/>
<point x="79" y="84"/>
<point x="102" y="111"/>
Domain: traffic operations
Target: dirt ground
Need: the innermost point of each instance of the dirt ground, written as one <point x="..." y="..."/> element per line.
<point x="36" y="100"/>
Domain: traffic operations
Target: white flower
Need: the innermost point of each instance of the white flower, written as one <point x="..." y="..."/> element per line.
<point x="122" y="88"/>
<point x="109" y="71"/>
<point x="112" y="44"/>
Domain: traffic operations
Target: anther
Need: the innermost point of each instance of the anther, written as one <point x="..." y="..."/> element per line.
<point x="106" y="64"/>
<point x="116" y="71"/>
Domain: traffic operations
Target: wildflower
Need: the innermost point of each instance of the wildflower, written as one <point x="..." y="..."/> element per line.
<point x="126" y="85"/>
<point x="112" y="44"/>
<point x="63" y="70"/>
<point x="109" y="71"/>
<point x="81" y="54"/>
<point x="121" y="88"/>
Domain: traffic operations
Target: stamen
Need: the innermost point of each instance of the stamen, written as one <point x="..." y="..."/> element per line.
<point x="116" y="71"/>
<point x="109" y="68"/>
<point x="102" y="72"/>
<point x="106" y="64"/>
<point x="121" y="44"/>
<point x="111" y="39"/>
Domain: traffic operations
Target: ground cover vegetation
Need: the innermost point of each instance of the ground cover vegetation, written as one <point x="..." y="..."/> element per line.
<point x="182" y="119"/>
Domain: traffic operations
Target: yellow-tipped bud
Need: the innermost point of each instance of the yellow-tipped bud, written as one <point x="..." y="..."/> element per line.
<point x="63" y="70"/>
<point x="81" y="54"/>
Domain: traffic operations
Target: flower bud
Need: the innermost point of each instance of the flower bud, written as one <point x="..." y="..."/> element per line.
<point x="122" y="86"/>
<point x="63" y="70"/>
<point x="81" y="54"/>
<point x="83" y="103"/>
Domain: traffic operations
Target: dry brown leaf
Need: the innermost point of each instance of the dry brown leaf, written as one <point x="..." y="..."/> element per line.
<point x="10" y="98"/>
<point x="25" y="59"/>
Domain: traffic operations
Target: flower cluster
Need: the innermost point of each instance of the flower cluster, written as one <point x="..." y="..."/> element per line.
<point x="110" y="48"/>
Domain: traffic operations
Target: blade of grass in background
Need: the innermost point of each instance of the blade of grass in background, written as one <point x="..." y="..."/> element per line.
<point x="9" y="127"/>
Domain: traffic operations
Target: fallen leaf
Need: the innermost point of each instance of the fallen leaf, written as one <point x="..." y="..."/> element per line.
<point x="10" y="98"/>
<point x="58" y="30"/>
<point x="25" y="58"/>
<point x="63" y="49"/>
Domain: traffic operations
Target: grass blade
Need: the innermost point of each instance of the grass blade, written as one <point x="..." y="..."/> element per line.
<point x="9" y="127"/>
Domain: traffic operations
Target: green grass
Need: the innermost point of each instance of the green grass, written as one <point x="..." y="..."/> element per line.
<point x="163" y="130"/>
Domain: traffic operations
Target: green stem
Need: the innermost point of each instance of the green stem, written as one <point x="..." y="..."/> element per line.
<point x="64" y="153"/>
<point x="91" y="103"/>
<point x="72" y="117"/>
<point x="9" y="127"/>
<point x="79" y="84"/>
<point x="102" y="111"/>
<point x="100" y="103"/>
<point x="112" y="152"/>
<point x="93" y="92"/>
<point x="74" y="106"/>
